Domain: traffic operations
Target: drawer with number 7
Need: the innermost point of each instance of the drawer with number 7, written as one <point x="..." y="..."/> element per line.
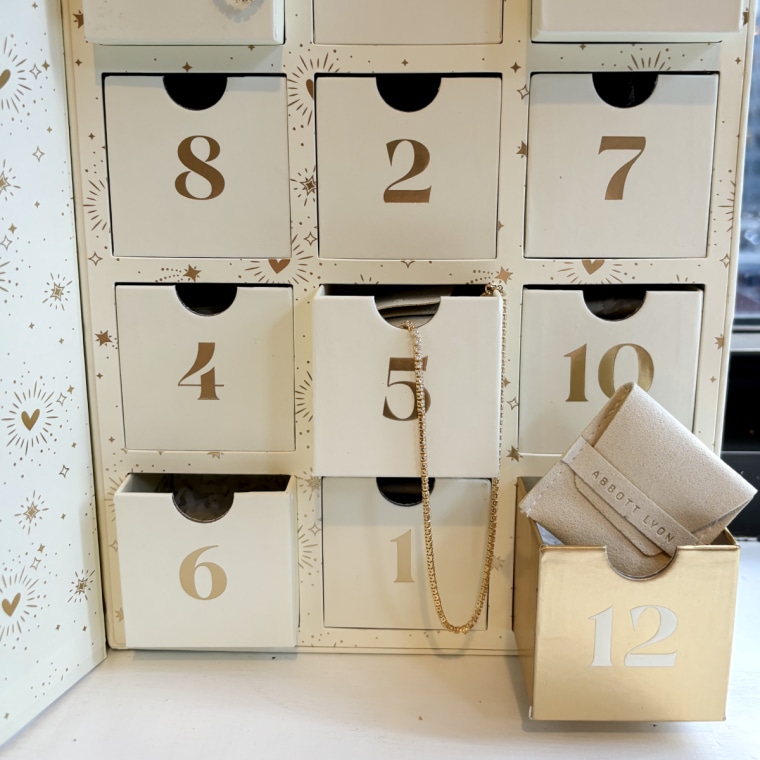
<point x="206" y="367"/>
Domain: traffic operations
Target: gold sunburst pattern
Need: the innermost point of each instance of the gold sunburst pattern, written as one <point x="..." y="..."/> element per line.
<point x="31" y="512"/>
<point x="592" y="271"/>
<point x="19" y="603"/>
<point x="95" y="206"/>
<point x="14" y="70"/>
<point x="658" y="63"/>
<point x="30" y="418"/>
<point x="7" y="181"/>
<point x="305" y="183"/>
<point x="303" y="394"/>
<point x="4" y="282"/>
<point x="301" y="83"/>
<point x="730" y="205"/>
<point x="307" y="548"/>
<point x="81" y="585"/>
<point x="292" y="271"/>
<point x="57" y="292"/>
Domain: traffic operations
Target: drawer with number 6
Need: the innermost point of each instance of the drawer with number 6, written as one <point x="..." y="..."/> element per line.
<point x="407" y="166"/>
<point x="620" y="165"/>
<point x="198" y="165"/>
<point x="208" y="562"/>
<point x="366" y="402"/>
<point x="206" y="367"/>
<point x="375" y="572"/>
<point x="579" y="345"/>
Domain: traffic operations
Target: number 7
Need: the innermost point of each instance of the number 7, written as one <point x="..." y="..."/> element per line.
<point x="616" y="185"/>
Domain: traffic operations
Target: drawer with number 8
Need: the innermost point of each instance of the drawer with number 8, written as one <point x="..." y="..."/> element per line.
<point x="578" y="346"/>
<point x="206" y="367"/>
<point x="208" y="562"/>
<point x="619" y="165"/>
<point x="198" y="165"/>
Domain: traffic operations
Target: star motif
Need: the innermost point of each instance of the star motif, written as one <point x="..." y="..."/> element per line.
<point x="6" y="242"/>
<point x="91" y="136"/>
<point x="720" y="342"/>
<point x="404" y="62"/>
<point x="78" y="62"/>
<point x="499" y="563"/>
<point x="61" y="398"/>
<point x="64" y="472"/>
<point x="313" y="483"/>
<point x="187" y="66"/>
<point x="79" y="18"/>
<point x="95" y="259"/>
<point x="514" y="454"/>
<point x="103" y="338"/>
<point x="523" y="149"/>
<point x="738" y="60"/>
<point x="505" y="382"/>
<point x="114" y="545"/>
<point x="215" y="454"/>
<point x="45" y="65"/>
<point x="111" y="439"/>
<point x="311" y="238"/>
<point x="583" y="46"/>
<point x="99" y="375"/>
<point x="515" y="67"/>
<point x="70" y="389"/>
<point x="504" y="275"/>
<point x="12" y="228"/>
<point x="31" y="325"/>
<point x="119" y="614"/>
<point x="513" y="403"/>
<point x="192" y="273"/>
<point x="524" y="92"/>
<point x="35" y="563"/>
<point x="34" y="71"/>
<point x="41" y="548"/>
<point x="713" y="379"/>
<point x="726" y="260"/>
<point x="314" y="529"/>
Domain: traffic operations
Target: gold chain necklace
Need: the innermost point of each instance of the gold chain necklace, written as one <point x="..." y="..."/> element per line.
<point x="419" y="389"/>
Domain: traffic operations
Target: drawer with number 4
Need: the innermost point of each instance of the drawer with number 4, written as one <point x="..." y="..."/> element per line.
<point x="596" y="645"/>
<point x="208" y="562"/>
<point x="206" y="367"/>
<point x="619" y="165"/>
<point x="407" y="22"/>
<point x="579" y="345"/>
<point x="392" y="183"/>
<point x="198" y="165"/>
<point x="184" y="22"/>
<point x="375" y="572"/>
<point x="636" y="20"/>
<point x="365" y="388"/>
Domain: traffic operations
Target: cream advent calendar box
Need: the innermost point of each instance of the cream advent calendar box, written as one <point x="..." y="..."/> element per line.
<point x="251" y="178"/>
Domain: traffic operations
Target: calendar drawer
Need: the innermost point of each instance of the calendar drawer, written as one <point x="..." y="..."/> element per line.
<point x="365" y="412"/>
<point x="392" y="184"/>
<point x="374" y="553"/>
<point x="624" y="162"/>
<point x="635" y="20"/>
<point x="198" y="165"/>
<point x="208" y="563"/>
<point x="184" y="22"/>
<point x="407" y="22"/>
<point x="573" y="360"/>
<point x="206" y="367"/>
<point x="595" y="645"/>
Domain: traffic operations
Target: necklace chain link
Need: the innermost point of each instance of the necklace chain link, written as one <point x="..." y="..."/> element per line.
<point x="419" y="389"/>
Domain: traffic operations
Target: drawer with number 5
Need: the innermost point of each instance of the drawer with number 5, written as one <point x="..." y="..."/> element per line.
<point x="198" y="165"/>
<point x="206" y="367"/>
<point x="619" y="165"/>
<point x="579" y="345"/>
<point x="366" y="402"/>
<point x="208" y="562"/>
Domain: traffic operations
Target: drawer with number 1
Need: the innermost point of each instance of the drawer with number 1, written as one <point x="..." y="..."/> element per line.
<point x="619" y="165"/>
<point x="407" y="166"/>
<point x="198" y="165"/>
<point x="206" y="367"/>
<point x="579" y="345"/>
<point x="375" y="572"/>
<point x="365" y="396"/>
<point x="208" y="562"/>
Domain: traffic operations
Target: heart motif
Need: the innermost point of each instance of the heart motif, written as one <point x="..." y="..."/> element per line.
<point x="10" y="607"/>
<point x="278" y="264"/>
<point x="5" y="76"/>
<point x="28" y="421"/>
<point x="310" y="87"/>
<point x="592" y="265"/>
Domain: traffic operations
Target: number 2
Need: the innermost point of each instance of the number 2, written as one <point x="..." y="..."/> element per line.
<point x="616" y="185"/>
<point x="420" y="162"/>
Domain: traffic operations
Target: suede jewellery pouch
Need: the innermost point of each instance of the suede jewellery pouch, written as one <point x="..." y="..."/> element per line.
<point x="641" y="484"/>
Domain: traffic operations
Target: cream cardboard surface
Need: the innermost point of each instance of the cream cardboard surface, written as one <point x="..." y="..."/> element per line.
<point x="635" y="20"/>
<point x="177" y="22"/>
<point x="622" y="182"/>
<point x="375" y="572"/>
<point x="572" y="361"/>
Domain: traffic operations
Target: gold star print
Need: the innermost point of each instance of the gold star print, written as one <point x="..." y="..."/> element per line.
<point x="524" y="92"/>
<point x="720" y="342"/>
<point x="187" y="67"/>
<point x="12" y="228"/>
<point x="192" y="273"/>
<point x="522" y="150"/>
<point x="103" y="338"/>
<point x="515" y="67"/>
<point x="514" y="454"/>
<point x="404" y="62"/>
<point x="79" y="18"/>
<point x="513" y="404"/>
<point x="583" y="46"/>
<point x="504" y="275"/>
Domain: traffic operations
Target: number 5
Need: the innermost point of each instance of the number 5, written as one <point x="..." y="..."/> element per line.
<point x="404" y="364"/>
<point x="616" y="185"/>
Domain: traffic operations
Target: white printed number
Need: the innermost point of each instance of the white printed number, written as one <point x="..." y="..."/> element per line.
<point x="635" y="658"/>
